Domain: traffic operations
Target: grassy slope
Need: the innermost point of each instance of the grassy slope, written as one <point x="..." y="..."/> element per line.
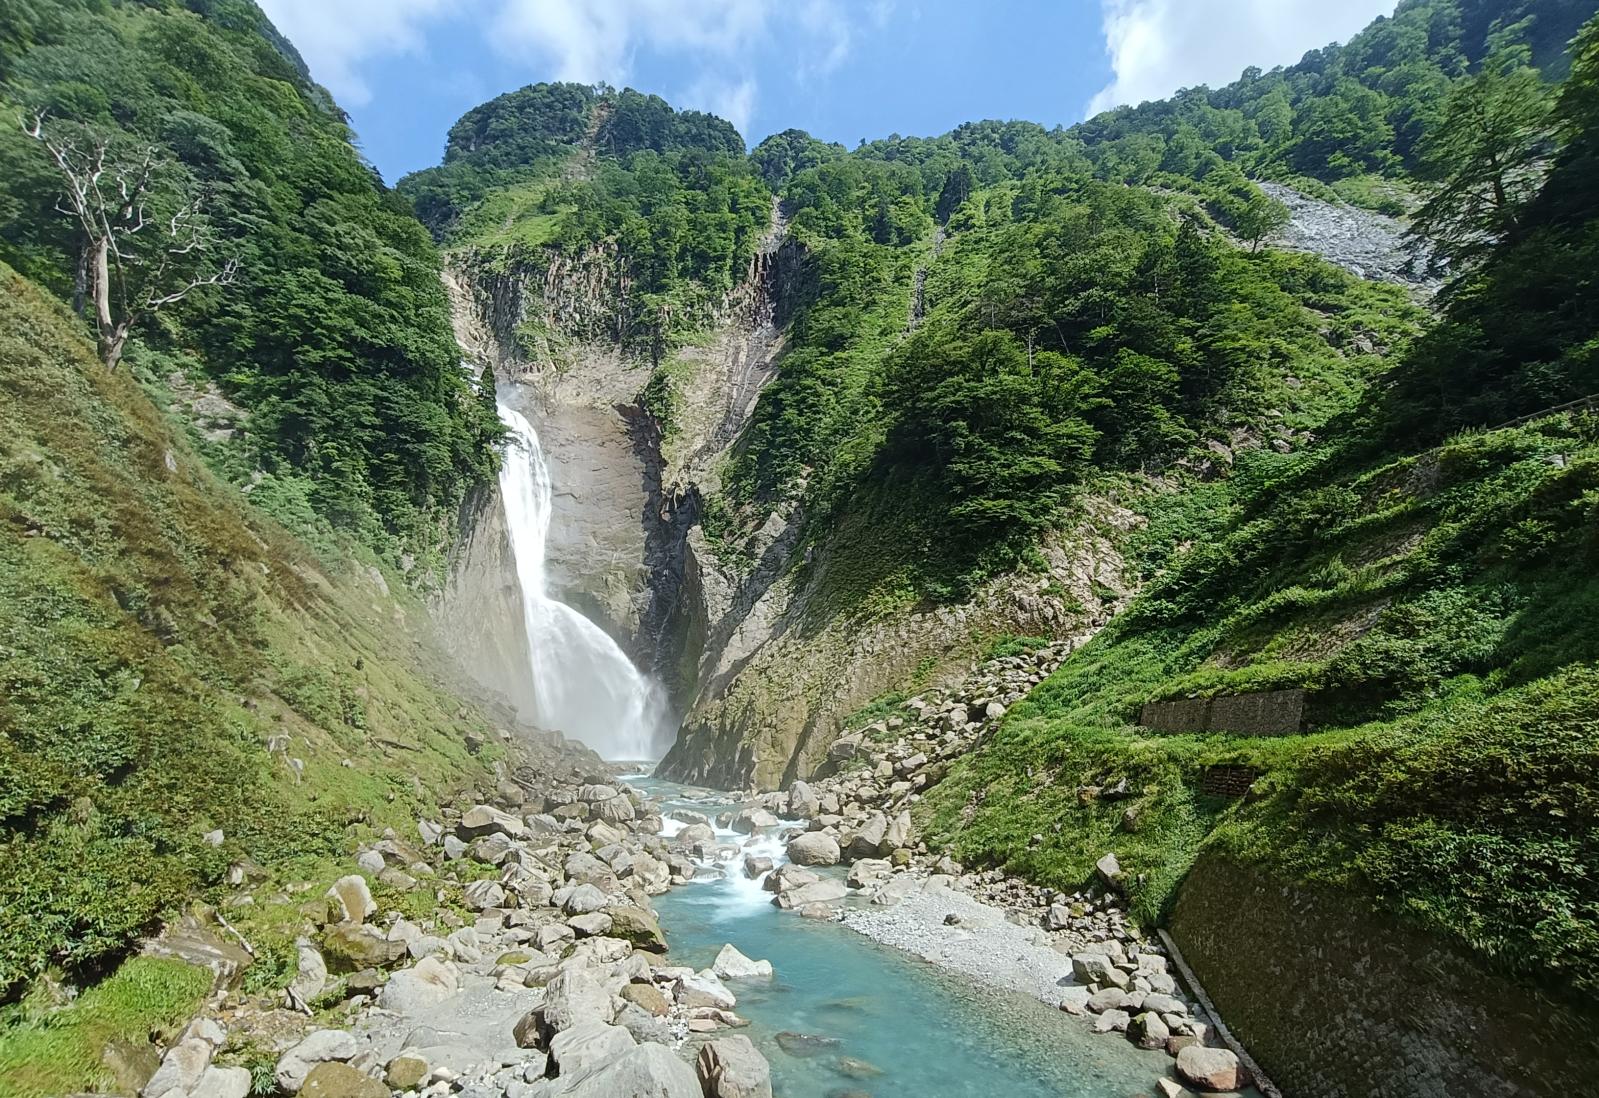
<point x="156" y="636"/>
<point x="1441" y="609"/>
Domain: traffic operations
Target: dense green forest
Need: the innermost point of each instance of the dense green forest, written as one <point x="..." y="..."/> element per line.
<point x="1436" y="602"/>
<point x="1066" y="326"/>
<point x="171" y="661"/>
<point x="334" y="331"/>
<point x="565" y="169"/>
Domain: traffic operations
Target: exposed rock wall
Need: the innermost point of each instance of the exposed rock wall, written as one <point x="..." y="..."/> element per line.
<point x="777" y="678"/>
<point x="1338" y="1002"/>
<point x="764" y="671"/>
<point x="479" y="613"/>
<point x="578" y="402"/>
<point x="1368" y="244"/>
<point x="626" y="492"/>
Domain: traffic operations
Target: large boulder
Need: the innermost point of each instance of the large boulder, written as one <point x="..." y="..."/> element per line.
<point x="788" y="876"/>
<point x="181" y="1068"/>
<point x="648" y="997"/>
<point x="482" y="895"/>
<point x="573" y="996"/>
<point x="320" y="1046"/>
<point x="813" y="848"/>
<point x="649" y="1071"/>
<point x="335" y="1080"/>
<point x="427" y="982"/>
<point x="349" y="947"/>
<point x="588" y="1045"/>
<point x="696" y="833"/>
<point x="802" y="801"/>
<point x="352" y="899"/>
<point x="595" y="924"/>
<point x="638" y="926"/>
<point x="1096" y="968"/>
<point x="1212" y="1069"/>
<point x="703" y="989"/>
<point x="311" y="973"/>
<point x="485" y="819"/>
<point x="406" y="1071"/>
<point x="581" y="900"/>
<point x="824" y="891"/>
<point x="896" y="889"/>
<point x="730" y="964"/>
<point x="616" y="810"/>
<point x="224" y="1082"/>
<point x="867" y="871"/>
<point x="869" y="840"/>
<point x="751" y="820"/>
<point x="899" y="832"/>
<point x="1147" y="1030"/>
<point x="732" y="1067"/>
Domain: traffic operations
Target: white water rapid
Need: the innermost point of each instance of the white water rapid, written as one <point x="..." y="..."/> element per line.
<point x="584" y="686"/>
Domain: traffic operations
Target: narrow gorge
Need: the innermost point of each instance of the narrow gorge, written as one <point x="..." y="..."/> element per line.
<point x="633" y="611"/>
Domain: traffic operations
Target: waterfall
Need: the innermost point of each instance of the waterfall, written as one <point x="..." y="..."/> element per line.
<point x="584" y="686"/>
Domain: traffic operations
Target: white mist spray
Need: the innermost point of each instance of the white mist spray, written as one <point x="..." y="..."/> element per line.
<point x="583" y="683"/>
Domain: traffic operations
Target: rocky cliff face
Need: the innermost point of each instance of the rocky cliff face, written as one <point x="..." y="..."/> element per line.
<point x="626" y="490"/>
<point x="778" y="675"/>
<point x="762" y="670"/>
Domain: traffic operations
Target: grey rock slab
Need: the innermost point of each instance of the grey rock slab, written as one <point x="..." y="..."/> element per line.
<point x="730" y="964"/>
<point x="732" y="1067"/>
<point x="588" y="1045"/>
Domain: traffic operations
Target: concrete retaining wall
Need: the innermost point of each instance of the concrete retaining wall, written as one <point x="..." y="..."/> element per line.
<point x="1338" y="1002"/>
<point x="1268" y="713"/>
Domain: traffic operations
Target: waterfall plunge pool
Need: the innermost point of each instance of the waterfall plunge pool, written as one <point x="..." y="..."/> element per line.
<point x="929" y="1033"/>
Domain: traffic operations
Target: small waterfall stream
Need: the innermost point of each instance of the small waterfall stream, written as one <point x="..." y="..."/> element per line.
<point x="584" y="685"/>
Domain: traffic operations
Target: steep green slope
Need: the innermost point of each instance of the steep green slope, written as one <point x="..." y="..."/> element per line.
<point x="1437" y="607"/>
<point x="335" y="331"/>
<point x="1440" y="612"/>
<point x="171" y="662"/>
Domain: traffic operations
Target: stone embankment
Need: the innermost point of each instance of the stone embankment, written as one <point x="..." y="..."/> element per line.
<point x="1078" y="950"/>
<point x="538" y="968"/>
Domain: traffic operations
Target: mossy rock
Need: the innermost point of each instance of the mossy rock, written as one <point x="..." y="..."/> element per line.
<point x="335" y="1080"/>
<point x="635" y="925"/>
<point x="348" y="948"/>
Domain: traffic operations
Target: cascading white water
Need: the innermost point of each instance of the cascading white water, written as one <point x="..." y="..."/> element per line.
<point x="583" y="683"/>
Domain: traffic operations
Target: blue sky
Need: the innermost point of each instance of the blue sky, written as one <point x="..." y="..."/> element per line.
<point x="842" y="69"/>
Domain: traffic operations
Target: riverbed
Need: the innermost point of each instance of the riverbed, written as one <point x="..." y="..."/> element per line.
<point x="845" y="1016"/>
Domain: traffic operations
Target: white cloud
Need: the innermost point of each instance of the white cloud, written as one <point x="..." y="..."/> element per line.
<point x="597" y="40"/>
<point x="1159" y="46"/>
<point x="712" y="42"/>
<point x="732" y="100"/>
<point x="336" y="36"/>
<point x="594" y="40"/>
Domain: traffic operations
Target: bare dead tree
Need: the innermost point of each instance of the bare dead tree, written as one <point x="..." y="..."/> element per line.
<point x="133" y="262"/>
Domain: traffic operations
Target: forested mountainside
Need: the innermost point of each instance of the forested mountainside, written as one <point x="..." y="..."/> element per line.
<point x="877" y="413"/>
<point x="330" y="328"/>
<point x="1059" y="378"/>
<point x="211" y="661"/>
